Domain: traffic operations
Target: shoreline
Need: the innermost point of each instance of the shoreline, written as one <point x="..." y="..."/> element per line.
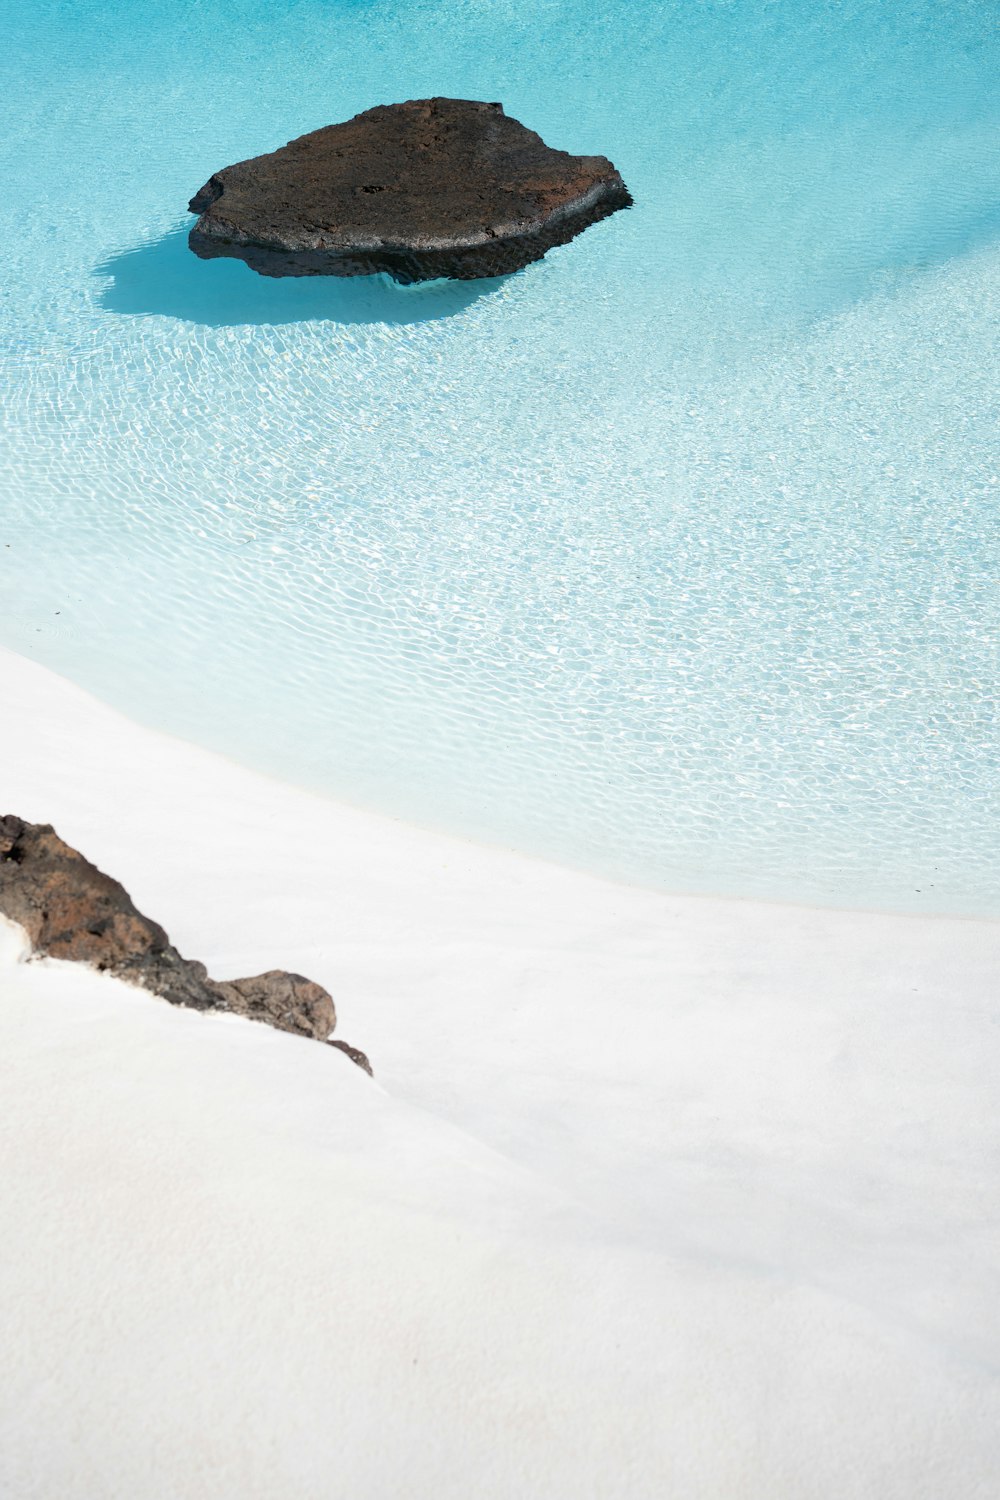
<point x="130" y="784"/>
<point x="13" y="663"/>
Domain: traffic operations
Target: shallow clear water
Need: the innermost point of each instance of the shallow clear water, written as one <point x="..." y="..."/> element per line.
<point x="674" y="555"/>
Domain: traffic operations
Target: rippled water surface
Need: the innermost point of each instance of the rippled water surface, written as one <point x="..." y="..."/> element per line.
<point x="674" y="555"/>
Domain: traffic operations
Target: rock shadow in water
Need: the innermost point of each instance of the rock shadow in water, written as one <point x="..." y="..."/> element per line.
<point x="164" y="278"/>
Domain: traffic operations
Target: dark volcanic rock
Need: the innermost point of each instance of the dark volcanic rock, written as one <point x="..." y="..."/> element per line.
<point x="433" y="187"/>
<point x="72" y="910"/>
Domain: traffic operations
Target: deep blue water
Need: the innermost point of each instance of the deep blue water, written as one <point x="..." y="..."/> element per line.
<point x="675" y="555"/>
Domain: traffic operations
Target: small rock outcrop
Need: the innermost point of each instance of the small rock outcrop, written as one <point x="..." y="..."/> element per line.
<point x="353" y="1054"/>
<point x="429" y="188"/>
<point x="70" y="909"/>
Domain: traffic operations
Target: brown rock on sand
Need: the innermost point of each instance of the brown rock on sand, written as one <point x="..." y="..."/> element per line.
<point x="71" y="910"/>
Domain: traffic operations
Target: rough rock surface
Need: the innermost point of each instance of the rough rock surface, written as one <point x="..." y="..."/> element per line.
<point x="353" y="1053"/>
<point x="70" y="909"/>
<point x="432" y="187"/>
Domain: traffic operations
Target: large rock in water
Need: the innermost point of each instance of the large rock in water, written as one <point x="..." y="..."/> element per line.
<point x="434" y="187"/>
<point x="70" y="909"/>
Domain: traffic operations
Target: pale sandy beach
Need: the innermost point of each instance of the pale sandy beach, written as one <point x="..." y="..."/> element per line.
<point x="498" y="537"/>
<point x="650" y="1196"/>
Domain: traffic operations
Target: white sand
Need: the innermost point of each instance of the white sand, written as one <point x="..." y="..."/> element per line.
<point x="653" y="1196"/>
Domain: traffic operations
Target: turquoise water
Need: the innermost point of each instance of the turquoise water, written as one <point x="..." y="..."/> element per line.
<point x="674" y="556"/>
